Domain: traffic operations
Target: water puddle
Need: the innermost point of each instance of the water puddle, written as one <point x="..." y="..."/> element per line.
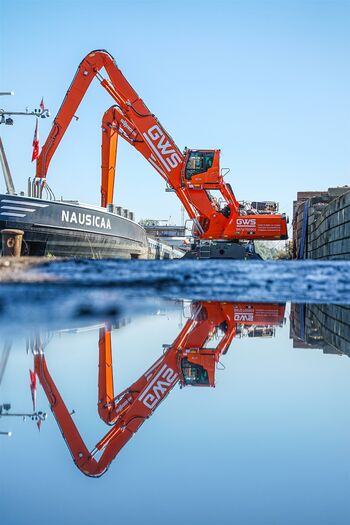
<point x="153" y="381"/>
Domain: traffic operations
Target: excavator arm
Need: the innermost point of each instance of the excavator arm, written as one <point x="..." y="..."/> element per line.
<point x="135" y="123"/>
<point x="125" y="423"/>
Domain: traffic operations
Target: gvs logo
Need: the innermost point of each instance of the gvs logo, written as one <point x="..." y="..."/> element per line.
<point x="161" y="146"/>
<point x="158" y="387"/>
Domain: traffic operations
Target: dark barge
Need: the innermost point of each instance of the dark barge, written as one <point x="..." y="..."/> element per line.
<point x="71" y="229"/>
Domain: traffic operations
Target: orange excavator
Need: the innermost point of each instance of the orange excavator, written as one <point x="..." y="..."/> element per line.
<point x="194" y="175"/>
<point x="190" y="360"/>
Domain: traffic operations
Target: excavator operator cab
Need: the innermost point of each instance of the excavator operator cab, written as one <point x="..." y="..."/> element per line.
<point x="202" y="167"/>
<point x="194" y="374"/>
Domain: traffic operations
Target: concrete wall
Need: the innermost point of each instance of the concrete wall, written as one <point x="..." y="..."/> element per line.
<point x="328" y="226"/>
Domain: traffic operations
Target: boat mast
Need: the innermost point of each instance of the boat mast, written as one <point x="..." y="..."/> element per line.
<point x="4" y="164"/>
<point x="6" y="118"/>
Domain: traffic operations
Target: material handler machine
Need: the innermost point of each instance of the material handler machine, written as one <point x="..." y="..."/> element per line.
<point x="194" y="175"/>
<point x="190" y="360"/>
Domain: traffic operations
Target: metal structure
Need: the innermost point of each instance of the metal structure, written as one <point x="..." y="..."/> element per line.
<point x="6" y="118"/>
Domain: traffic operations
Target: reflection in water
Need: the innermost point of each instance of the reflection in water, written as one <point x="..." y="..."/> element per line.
<point x="274" y="432"/>
<point x="191" y="360"/>
<point x="5" y="408"/>
<point x="322" y="326"/>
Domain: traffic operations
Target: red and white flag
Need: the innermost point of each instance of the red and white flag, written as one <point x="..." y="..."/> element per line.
<point x="32" y="376"/>
<point x="36" y="142"/>
<point x="42" y="105"/>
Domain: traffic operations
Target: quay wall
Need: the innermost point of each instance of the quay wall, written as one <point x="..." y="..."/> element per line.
<point x="321" y="225"/>
<point x="321" y="326"/>
<point x="334" y="324"/>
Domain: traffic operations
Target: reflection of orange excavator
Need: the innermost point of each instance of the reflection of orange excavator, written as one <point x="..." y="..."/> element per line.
<point x="190" y="360"/>
<point x="193" y="175"/>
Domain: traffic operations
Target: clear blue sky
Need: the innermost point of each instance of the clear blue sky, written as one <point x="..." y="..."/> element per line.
<point x="267" y="82"/>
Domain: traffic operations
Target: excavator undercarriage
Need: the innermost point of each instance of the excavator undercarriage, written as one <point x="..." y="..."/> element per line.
<point x="222" y="250"/>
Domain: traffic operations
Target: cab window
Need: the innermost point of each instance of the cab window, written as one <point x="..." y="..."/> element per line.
<point x="194" y="374"/>
<point x="198" y="162"/>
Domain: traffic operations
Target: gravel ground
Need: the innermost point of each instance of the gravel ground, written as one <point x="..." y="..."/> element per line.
<point x="25" y="269"/>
